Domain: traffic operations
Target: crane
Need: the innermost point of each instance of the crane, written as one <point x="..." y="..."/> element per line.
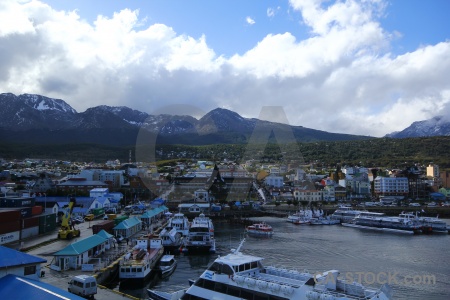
<point x="67" y="230"/>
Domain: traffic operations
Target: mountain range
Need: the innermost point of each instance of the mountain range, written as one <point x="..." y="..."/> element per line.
<point x="437" y="126"/>
<point x="37" y="119"/>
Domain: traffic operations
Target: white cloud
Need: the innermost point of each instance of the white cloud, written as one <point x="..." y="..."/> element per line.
<point x="341" y="79"/>
<point x="249" y="21"/>
<point x="270" y="12"/>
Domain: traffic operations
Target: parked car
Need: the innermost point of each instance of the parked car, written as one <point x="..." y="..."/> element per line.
<point x="414" y="204"/>
<point x="89" y="217"/>
<point x="77" y="220"/>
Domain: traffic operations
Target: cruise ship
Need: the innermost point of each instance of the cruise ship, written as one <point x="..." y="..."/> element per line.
<point x="404" y="223"/>
<point x="200" y="238"/>
<point x="136" y="266"/>
<point x="242" y="276"/>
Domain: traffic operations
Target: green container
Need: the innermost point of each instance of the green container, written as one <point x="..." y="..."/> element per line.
<point x="118" y="220"/>
<point x="47" y="223"/>
<point x="98" y="211"/>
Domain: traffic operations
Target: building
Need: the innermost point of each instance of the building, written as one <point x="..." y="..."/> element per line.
<point x="128" y="227"/>
<point x="308" y="195"/>
<point x="79" y="253"/>
<point x="79" y="185"/>
<point x="274" y="181"/>
<point x="19" y="264"/>
<point x="391" y="186"/>
<point x="433" y="171"/>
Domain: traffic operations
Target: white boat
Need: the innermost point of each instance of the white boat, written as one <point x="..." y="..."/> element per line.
<point x="167" y="265"/>
<point x="136" y="265"/>
<point x="432" y="225"/>
<point x="323" y="221"/>
<point x="345" y="214"/>
<point x="259" y="229"/>
<point x="201" y="236"/>
<point x="404" y="223"/>
<point x="243" y="276"/>
<point x="171" y="239"/>
<point x="180" y="222"/>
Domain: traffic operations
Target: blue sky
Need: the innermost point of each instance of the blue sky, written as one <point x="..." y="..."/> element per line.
<point x="339" y="66"/>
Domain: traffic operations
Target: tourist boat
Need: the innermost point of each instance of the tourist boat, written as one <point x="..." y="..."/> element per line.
<point x="180" y="222"/>
<point x="167" y="265"/>
<point x="243" y="276"/>
<point x="200" y="238"/>
<point x="404" y="223"/>
<point x="136" y="265"/>
<point x="171" y="239"/>
<point x="345" y="214"/>
<point x="262" y="229"/>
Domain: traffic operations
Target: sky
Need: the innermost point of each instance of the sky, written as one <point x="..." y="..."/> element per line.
<point x="368" y="67"/>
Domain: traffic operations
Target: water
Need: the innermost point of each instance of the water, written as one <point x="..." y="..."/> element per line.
<point x="412" y="261"/>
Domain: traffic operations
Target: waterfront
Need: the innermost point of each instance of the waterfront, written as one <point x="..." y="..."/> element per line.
<point x="410" y="263"/>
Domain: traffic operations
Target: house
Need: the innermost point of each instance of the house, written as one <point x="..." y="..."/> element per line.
<point x="79" y="253"/>
<point x="19" y="263"/>
<point x="153" y="215"/>
<point x="128" y="227"/>
<point x="193" y="207"/>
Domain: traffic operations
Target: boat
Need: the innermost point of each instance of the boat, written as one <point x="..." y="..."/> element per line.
<point x="167" y="265"/>
<point x="323" y="221"/>
<point x="404" y="223"/>
<point x="171" y="239"/>
<point x="180" y="222"/>
<point x="261" y="229"/>
<point x="136" y="266"/>
<point x="345" y="214"/>
<point x="200" y="238"/>
<point x="432" y="225"/>
<point x="244" y="276"/>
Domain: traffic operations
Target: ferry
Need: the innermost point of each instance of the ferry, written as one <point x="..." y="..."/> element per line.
<point x="180" y="222"/>
<point x="404" y="223"/>
<point x="259" y="229"/>
<point x="243" y="276"/>
<point x="200" y="238"/>
<point x="135" y="267"/>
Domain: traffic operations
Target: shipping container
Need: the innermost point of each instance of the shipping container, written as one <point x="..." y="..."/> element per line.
<point x="98" y="211"/>
<point x="118" y="220"/>
<point x="9" y="237"/>
<point x="50" y="218"/>
<point x="17" y="202"/>
<point x="47" y="227"/>
<point x="105" y="225"/>
<point x="25" y="212"/>
<point x="30" y="222"/>
<point x="36" y="210"/>
<point x="9" y="215"/>
<point x="7" y="227"/>
<point x="30" y="232"/>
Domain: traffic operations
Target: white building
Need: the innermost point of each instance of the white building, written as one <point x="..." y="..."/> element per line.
<point x="274" y="180"/>
<point x="391" y="186"/>
<point x="308" y="195"/>
<point x="433" y="171"/>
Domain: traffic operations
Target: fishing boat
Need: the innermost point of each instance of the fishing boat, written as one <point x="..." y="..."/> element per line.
<point x="200" y="238"/>
<point x="135" y="267"/>
<point x="261" y="229"/>
<point x="244" y="276"/>
<point x="167" y="265"/>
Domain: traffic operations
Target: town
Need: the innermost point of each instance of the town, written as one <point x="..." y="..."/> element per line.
<point x="92" y="214"/>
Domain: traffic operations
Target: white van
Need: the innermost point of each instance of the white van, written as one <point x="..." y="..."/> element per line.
<point x="83" y="285"/>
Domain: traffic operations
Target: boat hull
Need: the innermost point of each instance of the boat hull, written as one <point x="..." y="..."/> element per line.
<point x="386" y="229"/>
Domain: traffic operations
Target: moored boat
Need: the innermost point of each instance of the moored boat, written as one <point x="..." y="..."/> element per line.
<point x="171" y="239"/>
<point x="167" y="265"/>
<point x="243" y="276"/>
<point x="404" y="223"/>
<point x="180" y="222"/>
<point x="136" y="265"/>
<point x="200" y="238"/>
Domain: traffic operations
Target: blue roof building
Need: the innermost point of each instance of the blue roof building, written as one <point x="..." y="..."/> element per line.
<point x="75" y="255"/>
<point x="128" y="227"/>
<point x="19" y="263"/>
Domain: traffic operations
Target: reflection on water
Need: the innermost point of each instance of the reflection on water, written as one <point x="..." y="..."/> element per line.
<point x="319" y="248"/>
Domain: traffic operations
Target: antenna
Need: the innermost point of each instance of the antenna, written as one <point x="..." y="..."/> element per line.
<point x="239" y="247"/>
